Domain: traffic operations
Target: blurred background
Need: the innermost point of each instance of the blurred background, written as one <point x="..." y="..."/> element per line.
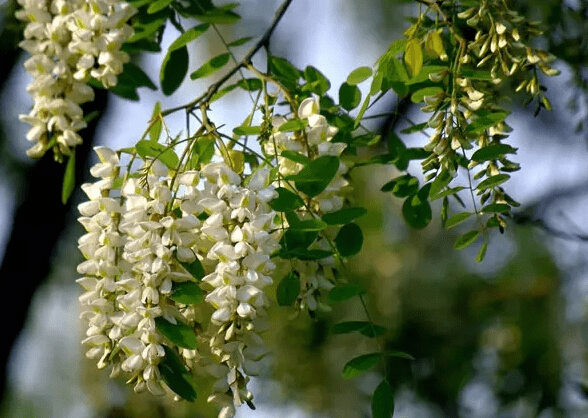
<point x="505" y="338"/>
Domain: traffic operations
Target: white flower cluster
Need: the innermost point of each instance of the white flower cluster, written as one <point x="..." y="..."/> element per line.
<point x="70" y="41"/>
<point x="136" y="248"/>
<point x="314" y="142"/>
<point x="316" y="277"/>
<point x="244" y="232"/>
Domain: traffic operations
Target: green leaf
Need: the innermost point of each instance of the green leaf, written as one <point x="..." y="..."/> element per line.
<point x="158" y="5"/>
<point x="349" y="327"/>
<point x="419" y="95"/>
<point x="482" y="252"/>
<point x="395" y="73"/>
<point x="157" y="125"/>
<point x="423" y="75"/>
<point x="413" y="56"/>
<point x="148" y="28"/>
<point x="188" y="293"/>
<point x="496" y="208"/>
<point x="457" y="219"/>
<point x="415" y="128"/>
<point x="360" y="364"/>
<point x="396" y="47"/>
<point x="373" y="331"/>
<point x="137" y="77"/>
<point x="304" y="254"/>
<point x="202" y="151"/>
<point x="293" y="125"/>
<point x="343" y="216"/>
<point x="286" y="201"/>
<point x="318" y="83"/>
<point x="349" y="240"/>
<point x="440" y="182"/>
<point x="69" y="178"/>
<point x="195" y="269"/>
<point x="250" y="84"/>
<point x="212" y="66"/>
<point x="383" y="401"/>
<point x="447" y="192"/>
<point x="288" y="289"/>
<point x="359" y="75"/>
<point x="159" y="151"/>
<point x="492" y="152"/>
<point x="361" y="112"/>
<point x="344" y="292"/>
<point x="240" y="41"/>
<point x="247" y="130"/>
<point x="316" y="176"/>
<point x="364" y="327"/>
<point x="308" y="225"/>
<point x="349" y="96"/>
<point x="295" y="156"/>
<point x="219" y="17"/>
<point x="402" y="186"/>
<point x="175" y="375"/>
<point x="223" y="92"/>
<point x="482" y="123"/>
<point x="466" y="239"/>
<point x="188" y="36"/>
<point x="417" y="211"/>
<point x="173" y="70"/>
<point x="492" y="181"/>
<point x="180" y="334"/>
<point x="298" y="239"/>
<point x="400" y="354"/>
<point x="477" y="75"/>
<point x="284" y="71"/>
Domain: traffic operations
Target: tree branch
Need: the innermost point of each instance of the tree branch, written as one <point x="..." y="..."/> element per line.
<point x="280" y="11"/>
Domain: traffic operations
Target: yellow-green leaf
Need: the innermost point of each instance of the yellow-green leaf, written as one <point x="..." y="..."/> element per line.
<point x="413" y="56"/>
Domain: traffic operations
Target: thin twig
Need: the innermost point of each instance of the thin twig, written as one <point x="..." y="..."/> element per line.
<point x="204" y="98"/>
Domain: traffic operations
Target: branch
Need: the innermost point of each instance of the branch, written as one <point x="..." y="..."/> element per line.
<point x="264" y="41"/>
<point x="524" y="219"/>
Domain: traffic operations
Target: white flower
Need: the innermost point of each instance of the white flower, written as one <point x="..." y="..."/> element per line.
<point x="69" y="41"/>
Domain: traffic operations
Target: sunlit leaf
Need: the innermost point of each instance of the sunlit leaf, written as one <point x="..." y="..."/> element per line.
<point x="158" y="5"/>
<point x="359" y="75"/>
<point x="158" y="151"/>
<point x="413" y="56"/>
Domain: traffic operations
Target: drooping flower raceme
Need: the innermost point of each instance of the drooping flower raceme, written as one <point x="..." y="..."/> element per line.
<point x="70" y="41"/>
<point x="316" y="277"/>
<point x="244" y="232"/>
<point x="142" y="234"/>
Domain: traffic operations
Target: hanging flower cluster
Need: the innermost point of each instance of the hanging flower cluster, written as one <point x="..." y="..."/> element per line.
<point x="70" y="42"/>
<point x="316" y="277"/>
<point x="140" y="293"/>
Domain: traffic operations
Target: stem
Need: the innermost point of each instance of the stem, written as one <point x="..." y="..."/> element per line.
<point x="204" y="98"/>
